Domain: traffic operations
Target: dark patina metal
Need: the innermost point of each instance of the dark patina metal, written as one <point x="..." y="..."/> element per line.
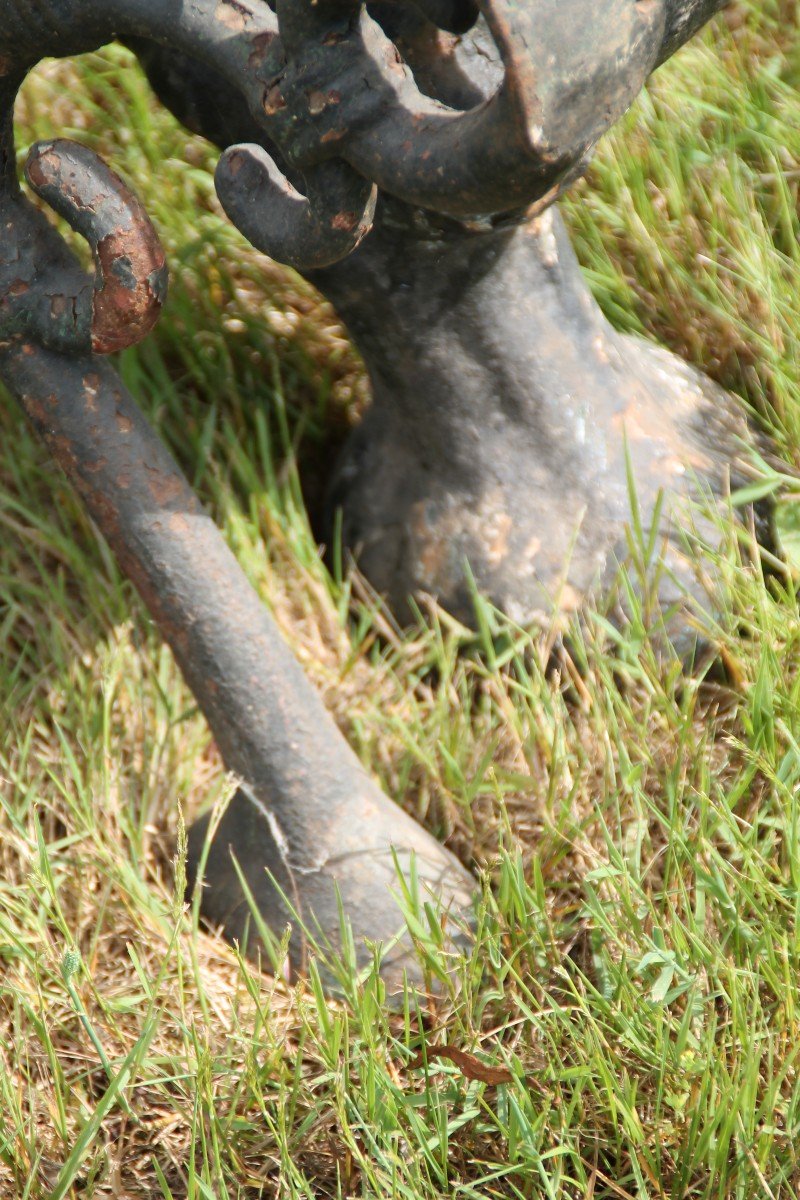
<point x="307" y="811"/>
<point x="508" y="418"/>
<point x="422" y="146"/>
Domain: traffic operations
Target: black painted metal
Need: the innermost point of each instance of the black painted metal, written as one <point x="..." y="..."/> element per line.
<point x="508" y="419"/>
<point x="502" y="398"/>
<point x="326" y="85"/>
<point x="307" y="811"/>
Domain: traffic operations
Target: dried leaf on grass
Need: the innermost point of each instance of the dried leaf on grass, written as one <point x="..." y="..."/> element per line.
<point x="469" y="1066"/>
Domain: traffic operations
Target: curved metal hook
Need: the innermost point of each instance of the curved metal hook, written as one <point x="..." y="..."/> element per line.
<point x="45" y="296"/>
<point x="305" y="232"/>
<point x="572" y="67"/>
<point x="131" y="270"/>
<point x="235" y="37"/>
<point x="571" y="70"/>
<point x="325" y="83"/>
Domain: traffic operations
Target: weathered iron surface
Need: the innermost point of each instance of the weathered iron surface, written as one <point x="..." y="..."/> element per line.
<point x="333" y="96"/>
<point x="420" y="147"/>
<point x="306" y="812"/>
<point x="131" y="282"/>
<point x="60" y="307"/>
<point x="508" y="421"/>
<point x="45" y="296"/>
<point x="506" y="411"/>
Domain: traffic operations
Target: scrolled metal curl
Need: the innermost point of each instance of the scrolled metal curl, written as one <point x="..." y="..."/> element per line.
<point x="327" y="85"/>
<point x="44" y="295"/>
<point x="131" y="271"/>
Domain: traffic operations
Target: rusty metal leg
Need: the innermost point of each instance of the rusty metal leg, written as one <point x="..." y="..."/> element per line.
<point x="508" y="421"/>
<point x="502" y="398"/>
<point x="308" y="813"/>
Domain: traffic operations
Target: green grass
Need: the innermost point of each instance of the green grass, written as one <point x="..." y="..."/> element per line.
<point x="637" y="960"/>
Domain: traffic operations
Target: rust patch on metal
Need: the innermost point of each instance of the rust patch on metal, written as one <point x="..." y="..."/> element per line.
<point x="274" y="100"/>
<point x="63" y="449"/>
<point x="345" y="220"/>
<point x="319" y="101"/>
<point x="128" y="305"/>
<point x="497" y="533"/>
<point x="233" y="15"/>
<point x="261" y="46"/>
<point x="131" y="280"/>
<point x="164" y="488"/>
<point x="431" y="548"/>
<point x="36" y="409"/>
<point x="93" y="468"/>
<point x="178" y="523"/>
<point x="444" y="536"/>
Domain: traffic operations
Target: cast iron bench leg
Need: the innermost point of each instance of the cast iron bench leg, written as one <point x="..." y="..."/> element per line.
<point x="505" y="408"/>
<point x="307" y="811"/>
<point x="508" y="418"/>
